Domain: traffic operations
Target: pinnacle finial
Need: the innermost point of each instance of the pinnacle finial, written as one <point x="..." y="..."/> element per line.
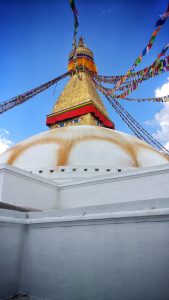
<point x="81" y="42"/>
<point x="84" y="57"/>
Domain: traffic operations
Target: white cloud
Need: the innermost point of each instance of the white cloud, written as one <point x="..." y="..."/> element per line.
<point x="163" y="90"/>
<point x="167" y="145"/>
<point x="161" y="119"/>
<point x="5" y="142"/>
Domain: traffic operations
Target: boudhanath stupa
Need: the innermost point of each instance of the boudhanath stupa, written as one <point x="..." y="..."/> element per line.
<point x="84" y="207"/>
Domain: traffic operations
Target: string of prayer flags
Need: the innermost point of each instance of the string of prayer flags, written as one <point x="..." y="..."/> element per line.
<point x="160" y="67"/>
<point x="163" y="18"/>
<point x="156" y="68"/>
<point x="153" y="99"/>
<point x="76" y="20"/>
<point x="159" y="25"/>
<point x="6" y="105"/>
<point x="76" y="24"/>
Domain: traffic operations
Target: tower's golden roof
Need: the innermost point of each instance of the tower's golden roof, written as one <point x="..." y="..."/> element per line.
<point x="82" y="49"/>
<point x="77" y="93"/>
<point x="79" y="102"/>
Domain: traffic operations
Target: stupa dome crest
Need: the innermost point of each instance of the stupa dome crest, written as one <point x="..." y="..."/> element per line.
<point x="83" y="145"/>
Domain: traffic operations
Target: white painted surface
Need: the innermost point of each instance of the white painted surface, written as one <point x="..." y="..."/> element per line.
<point x="148" y="183"/>
<point x="114" y="256"/>
<point x="33" y="191"/>
<point x="24" y="189"/>
<point x="110" y="242"/>
<point x="11" y="246"/>
<point x="106" y="261"/>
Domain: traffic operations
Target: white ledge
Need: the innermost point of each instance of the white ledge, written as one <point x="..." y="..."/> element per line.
<point x="142" y="215"/>
<point x="100" y="178"/>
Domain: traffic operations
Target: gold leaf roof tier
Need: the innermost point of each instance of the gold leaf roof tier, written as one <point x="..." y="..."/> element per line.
<point x="79" y="103"/>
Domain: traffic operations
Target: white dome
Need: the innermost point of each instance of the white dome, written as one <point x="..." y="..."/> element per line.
<point x="82" y="145"/>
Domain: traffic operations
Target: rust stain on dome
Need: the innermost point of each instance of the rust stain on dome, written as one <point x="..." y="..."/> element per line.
<point x="68" y="138"/>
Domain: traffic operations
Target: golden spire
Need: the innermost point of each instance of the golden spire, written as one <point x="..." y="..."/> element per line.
<point x="79" y="103"/>
<point x="84" y="57"/>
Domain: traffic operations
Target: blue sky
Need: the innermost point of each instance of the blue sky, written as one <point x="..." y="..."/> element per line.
<point x="36" y="37"/>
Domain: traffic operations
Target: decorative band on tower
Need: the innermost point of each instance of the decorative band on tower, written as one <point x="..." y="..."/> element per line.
<point x="84" y="58"/>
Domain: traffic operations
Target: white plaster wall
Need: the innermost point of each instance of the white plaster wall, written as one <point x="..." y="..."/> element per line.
<point x="98" y="256"/>
<point x="143" y="184"/>
<point x="27" y="190"/>
<point x="11" y="246"/>
<point x="75" y="172"/>
<point x="1" y="184"/>
<point x="83" y="253"/>
<point x="103" y="260"/>
<point x="24" y="189"/>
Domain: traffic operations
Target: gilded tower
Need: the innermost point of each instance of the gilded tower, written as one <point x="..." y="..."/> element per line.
<point x="79" y="103"/>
